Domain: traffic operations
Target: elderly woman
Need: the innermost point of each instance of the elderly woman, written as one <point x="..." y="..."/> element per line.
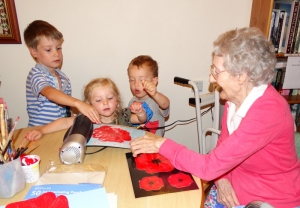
<point x="255" y="158"/>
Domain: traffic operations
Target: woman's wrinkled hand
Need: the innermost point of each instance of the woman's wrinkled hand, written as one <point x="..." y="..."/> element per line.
<point x="226" y="193"/>
<point x="146" y="144"/>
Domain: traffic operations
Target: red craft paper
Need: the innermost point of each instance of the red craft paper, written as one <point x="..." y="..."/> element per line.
<point x="180" y="180"/>
<point x="153" y="163"/>
<point x="109" y="134"/>
<point x="151" y="183"/>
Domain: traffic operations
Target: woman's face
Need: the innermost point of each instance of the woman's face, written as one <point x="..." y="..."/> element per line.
<point x="228" y="82"/>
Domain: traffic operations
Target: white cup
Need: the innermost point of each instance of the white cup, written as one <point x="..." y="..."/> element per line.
<point x="32" y="171"/>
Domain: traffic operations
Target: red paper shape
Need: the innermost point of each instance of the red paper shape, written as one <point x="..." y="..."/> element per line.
<point x="151" y="183"/>
<point x="109" y="134"/>
<point x="60" y="202"/>
<point x="180" y="180"/>
<point x="46" y="200"/>
<point x="153" y="163"/>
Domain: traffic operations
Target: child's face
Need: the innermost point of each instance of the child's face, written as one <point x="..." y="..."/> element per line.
<point x="48" y="53"/>
<point x="136" y="76"/>
<point x="104" y="100"/>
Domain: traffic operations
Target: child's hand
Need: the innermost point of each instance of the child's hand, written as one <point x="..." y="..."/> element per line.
<point x="139" y="115"/>
<point x="137" y="108"/>
<point x="89" y="111"/>
<point x="34" y="135"/>
<point x="149" y="87"/>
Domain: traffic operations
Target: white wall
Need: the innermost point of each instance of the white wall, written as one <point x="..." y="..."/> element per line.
<point x="101" y="37"/>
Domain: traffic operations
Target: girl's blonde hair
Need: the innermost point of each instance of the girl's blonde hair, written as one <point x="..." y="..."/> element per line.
<point x="102" y="82"/>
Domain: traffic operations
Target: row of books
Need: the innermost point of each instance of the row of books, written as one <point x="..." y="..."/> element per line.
<point x="285" y="26"/>
<point x="295" y="108"/>
<point x="278" y="81"/>
<point x="279" y="78"/>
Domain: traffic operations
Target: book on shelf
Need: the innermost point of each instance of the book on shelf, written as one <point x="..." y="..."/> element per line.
<point x="273" y="16"/>
<point x="285" y="91"/>
<point x="291" y="8"/>
<point x="296" y="42"/>
<point x="280" y="86"/>
<point x="297" y="116"/>
<point x="292" y="26"/>
<point x="279" y="67"/>
<point x="279" y="43"/>
<point x="278" y="77"/>
<point x="296" y="32"/>
<point x="275" y="28"/>
<point x="293" y="92"/>
<point x="283" y="6"/>
<point x="273" y="83"/>
<point x="294" y="108"/>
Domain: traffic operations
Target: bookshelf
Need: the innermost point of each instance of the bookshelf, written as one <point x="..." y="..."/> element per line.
<point x="261" y="17"/>
<point x="261" y="13"/>
<point x="292" y="99"/>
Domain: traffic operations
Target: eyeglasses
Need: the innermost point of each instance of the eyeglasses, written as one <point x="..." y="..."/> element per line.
<point x="213" y="71"/>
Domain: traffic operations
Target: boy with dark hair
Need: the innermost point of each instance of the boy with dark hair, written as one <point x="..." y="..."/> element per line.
<point x="48" y="89"/>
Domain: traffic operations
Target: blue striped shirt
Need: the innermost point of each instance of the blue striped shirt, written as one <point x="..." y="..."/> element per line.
<point x="40" y="110"/>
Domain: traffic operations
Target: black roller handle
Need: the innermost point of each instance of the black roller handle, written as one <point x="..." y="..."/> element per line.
<point x="181" y="80"/>
<point x="192" y="101"/>
<point x="81" y="125"/>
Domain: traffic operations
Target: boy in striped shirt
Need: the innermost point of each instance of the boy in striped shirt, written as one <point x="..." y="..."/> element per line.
<point x="48" y="89"/>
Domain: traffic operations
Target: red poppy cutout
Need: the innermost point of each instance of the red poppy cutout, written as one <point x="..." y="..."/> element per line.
<point x="180" y="180"/>
<point x="151" y="183"/>
<point x="153" y="163"/>
<point x="47" y="199"/>
<point x="109" y="134"/>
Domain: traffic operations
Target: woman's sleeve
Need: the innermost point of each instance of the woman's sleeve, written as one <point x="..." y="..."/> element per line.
<point x="254" y="133"/>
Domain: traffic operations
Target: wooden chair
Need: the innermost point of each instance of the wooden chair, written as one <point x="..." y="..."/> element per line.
<point x="206" y="186"/>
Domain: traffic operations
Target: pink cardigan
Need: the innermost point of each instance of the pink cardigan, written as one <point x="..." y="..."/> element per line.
<point x="259" y="158"/>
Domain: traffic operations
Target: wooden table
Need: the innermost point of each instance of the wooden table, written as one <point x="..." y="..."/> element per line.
<point x="117" y="179"/>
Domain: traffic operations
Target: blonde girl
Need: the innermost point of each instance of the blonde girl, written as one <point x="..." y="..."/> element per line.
<point x="104" y="96"/>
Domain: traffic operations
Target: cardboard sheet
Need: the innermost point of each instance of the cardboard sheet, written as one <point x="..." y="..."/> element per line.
<point x="292" y="74"/>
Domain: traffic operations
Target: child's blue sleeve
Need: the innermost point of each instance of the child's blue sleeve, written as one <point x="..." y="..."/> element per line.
<point x="149" y="112"/>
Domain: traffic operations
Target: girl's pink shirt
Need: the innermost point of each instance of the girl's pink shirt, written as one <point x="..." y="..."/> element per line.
<point x="259" y="157"/>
